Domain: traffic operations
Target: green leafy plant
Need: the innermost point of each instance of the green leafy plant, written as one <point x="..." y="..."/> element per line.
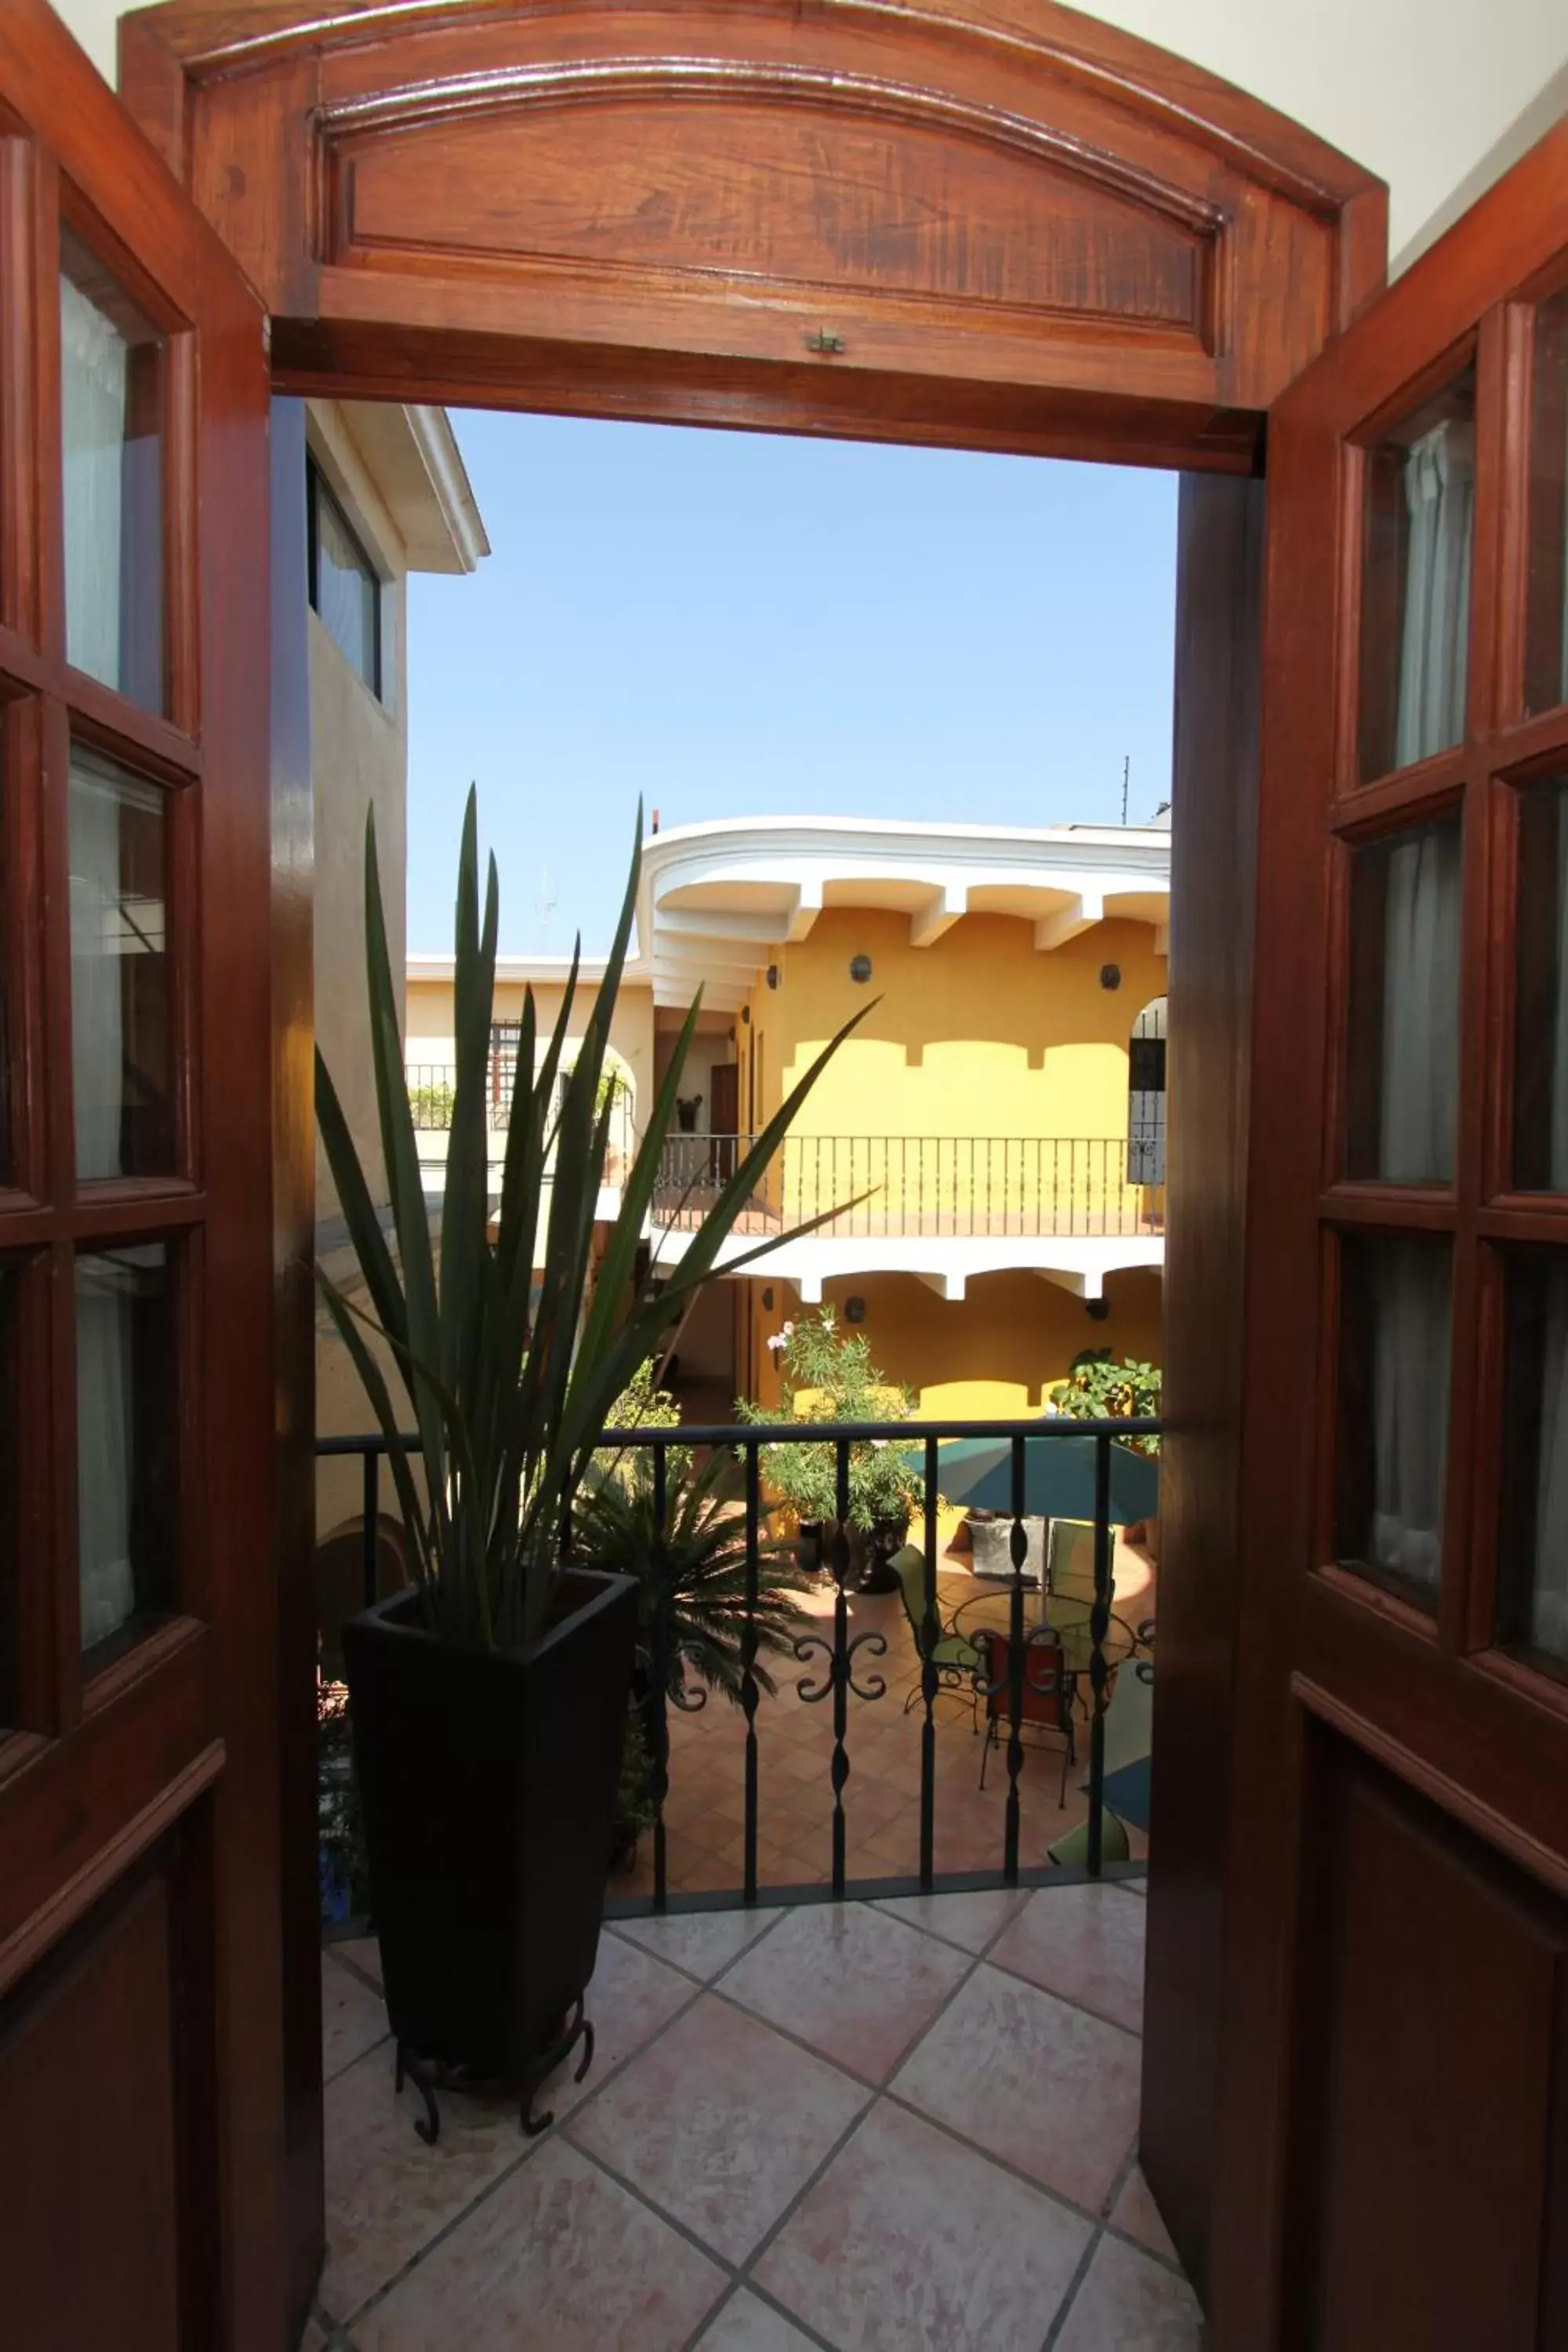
<point x="509" y="1383"/>
<point x="828" y="1375"/>
<point x="1098" y="1388"/>
<point x="692" y="1576"/>
<point x="634" y="1794"/>
<point x="642" y="1405"/>
<point x="431" y="1105"/>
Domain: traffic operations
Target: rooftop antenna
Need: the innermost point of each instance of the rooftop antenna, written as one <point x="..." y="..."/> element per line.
<point x="545" y="907"/>
<point x="1126" y="772"/>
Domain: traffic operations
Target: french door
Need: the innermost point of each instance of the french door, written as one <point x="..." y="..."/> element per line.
<point x="1393" y="2171"/>
<point x="141" y="2068"/>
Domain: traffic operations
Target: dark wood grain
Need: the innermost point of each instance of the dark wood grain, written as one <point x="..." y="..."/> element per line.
<point x="170" y="1739"/>
<point x="1389" y="2056"/>
<point x="1480" y="1738"/>
<point x="1213" y="887"/>
<point x="1035" y="235"/>
<point x="293" y="1140"/>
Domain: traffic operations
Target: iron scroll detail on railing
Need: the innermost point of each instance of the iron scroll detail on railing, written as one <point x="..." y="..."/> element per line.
<point x="833" y="1655"/>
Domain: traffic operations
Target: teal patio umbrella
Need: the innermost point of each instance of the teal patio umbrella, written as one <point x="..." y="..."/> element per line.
<point x="1059" y="1478"/>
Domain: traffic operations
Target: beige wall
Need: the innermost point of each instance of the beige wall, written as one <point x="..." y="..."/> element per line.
<point x="1436" y="96"/>
<point x="359" y="751"/>
<point x="428" y="1038"/>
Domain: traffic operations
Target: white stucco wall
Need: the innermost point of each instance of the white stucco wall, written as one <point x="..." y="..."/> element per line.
<point x="1436" y="96"/>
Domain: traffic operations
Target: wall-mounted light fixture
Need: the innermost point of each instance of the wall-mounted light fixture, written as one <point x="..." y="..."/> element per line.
<point x="1110" y="975"/>
<point x="773" y="975"/>
<point x="860" y="967"/>
<point x="768" y="1300"/>
<point x="1097" y="1310"/>
<point x="746" y="1015"/>
<point x="854" y="1310"/>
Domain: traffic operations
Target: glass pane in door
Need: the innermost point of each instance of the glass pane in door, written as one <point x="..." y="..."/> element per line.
<point x="1404" y="1043"/>
<point x="1417" y="533"/>
<point x="1546" y="611"/>
<point x="1540" y="1021"/>
<point x="120" y="973"/>
<point x="1532" y="1552"/>
<point x="1392" y="1444"/>
<point x="112" y="435"/>
<point x="126" y="1416"/>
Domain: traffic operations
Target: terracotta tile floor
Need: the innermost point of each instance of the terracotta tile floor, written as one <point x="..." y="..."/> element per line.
<point x="769" y="2156"/>
<point x="705" y="1810"/>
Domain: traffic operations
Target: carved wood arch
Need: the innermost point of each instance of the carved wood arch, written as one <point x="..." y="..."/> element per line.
<point x="1005" y="224"/>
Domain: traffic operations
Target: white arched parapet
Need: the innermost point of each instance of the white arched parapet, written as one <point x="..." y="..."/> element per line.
<point x="720" y="900"/>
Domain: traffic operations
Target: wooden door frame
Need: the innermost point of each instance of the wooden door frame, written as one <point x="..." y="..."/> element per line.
<point x="162" y="1762"/>
<point x="287" y="123"/>
<point x="1324" y="1645"/>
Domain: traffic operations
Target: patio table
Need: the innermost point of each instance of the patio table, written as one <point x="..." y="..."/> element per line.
<point x="1067" y="1614"/>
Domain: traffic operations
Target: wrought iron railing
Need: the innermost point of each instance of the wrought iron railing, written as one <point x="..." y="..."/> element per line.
<point x="432" y="1095"/>
<point x="966" y="1185"/>
<point x="836" y="1663"/>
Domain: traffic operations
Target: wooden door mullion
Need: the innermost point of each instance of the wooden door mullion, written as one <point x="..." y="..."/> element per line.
<point x="65" y="1551"/>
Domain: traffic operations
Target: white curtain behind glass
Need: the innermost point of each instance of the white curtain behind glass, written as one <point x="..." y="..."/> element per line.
<point x="104" y="1376"/>
<point x="1440" y="498"/>
<point x="94" y="381"/>
<point x="103" y="1353"/>
<point x="1420" y="1008"/>
<point x="1549" y="1600"/>
<point x="97" y="949"/>
<point x="1410" y="1296"/>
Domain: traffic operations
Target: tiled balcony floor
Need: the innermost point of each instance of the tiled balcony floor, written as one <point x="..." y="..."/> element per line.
<point x="704" y="1813"/>
<point x="892" y="2127"/>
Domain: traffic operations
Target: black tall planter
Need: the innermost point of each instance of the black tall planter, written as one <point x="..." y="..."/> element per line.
<point x="488" y="1784"/>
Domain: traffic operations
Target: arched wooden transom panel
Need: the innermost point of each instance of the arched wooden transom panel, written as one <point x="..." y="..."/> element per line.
<point x="1009" y="225"/>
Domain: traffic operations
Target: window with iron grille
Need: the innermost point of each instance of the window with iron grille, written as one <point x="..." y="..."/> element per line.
<point x="1146" y="1096"/>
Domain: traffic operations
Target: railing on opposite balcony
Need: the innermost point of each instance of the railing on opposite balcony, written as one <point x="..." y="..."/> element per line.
<point x="838" y="1664"/>
<point x="971" y="1186"/>
<point x="432" y="1094"/>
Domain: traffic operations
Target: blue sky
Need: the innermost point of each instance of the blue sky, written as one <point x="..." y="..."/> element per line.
<point x="744" y="624"/>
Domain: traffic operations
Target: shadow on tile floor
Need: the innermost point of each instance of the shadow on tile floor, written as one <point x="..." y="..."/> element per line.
<point x="892" y="2127"/>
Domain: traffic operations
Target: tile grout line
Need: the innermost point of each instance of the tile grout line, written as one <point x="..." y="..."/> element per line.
<point x="743" y="2275"/>
<point x="740" y="2277"/>
<point x="529" y="2148"/>
<point x="736" y="2274"/>
<point x="697" y="1988"/>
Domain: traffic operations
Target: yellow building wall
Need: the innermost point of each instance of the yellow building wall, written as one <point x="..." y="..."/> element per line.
<point x="979" y="1035"/>
<point x="990" y="1354"/>
<point x="986" y="1085"/>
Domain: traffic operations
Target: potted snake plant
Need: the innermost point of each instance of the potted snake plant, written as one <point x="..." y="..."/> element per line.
<point x="488" y="1701"/>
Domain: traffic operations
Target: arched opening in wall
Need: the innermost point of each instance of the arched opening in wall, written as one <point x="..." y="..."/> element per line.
<point x="1146" y="1096"/>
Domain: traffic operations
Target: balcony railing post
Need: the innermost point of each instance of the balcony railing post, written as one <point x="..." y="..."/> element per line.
<point x="369" y="1508"/>
<point x="931" y="1633"/>
<point x="1017" y="1546"/>
<point x="840" y="1772"/>
<point x="658" y="1672"/>
<point x="748" y="1675"/>
<point x="1099" y="1625"/>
